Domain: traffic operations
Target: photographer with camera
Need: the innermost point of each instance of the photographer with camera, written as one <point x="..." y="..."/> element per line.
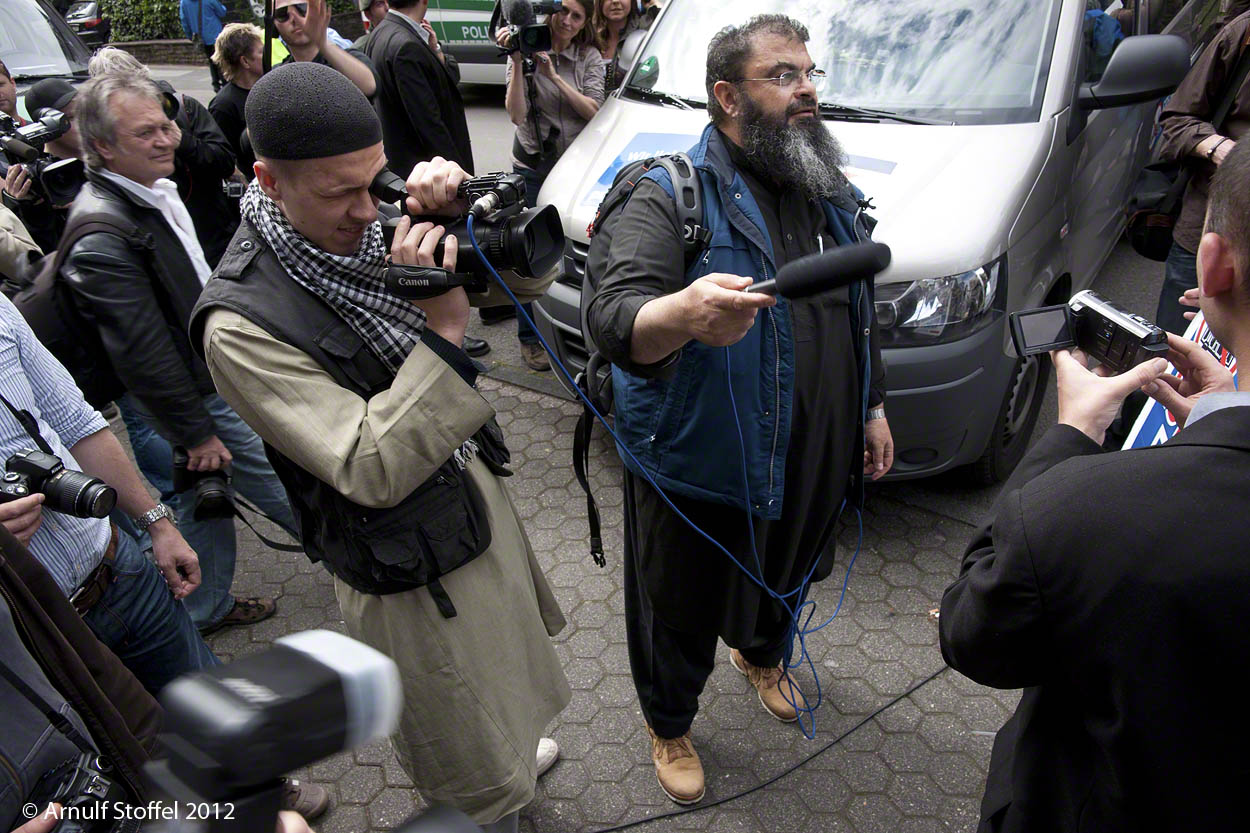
<point x="552" y="95"/>
<point x="131" y="604"/>
<point x="392" y="459"/>
<point x="140" y="299"/>
<point x="41" y="212"/>
<point x="1125" y="625"/>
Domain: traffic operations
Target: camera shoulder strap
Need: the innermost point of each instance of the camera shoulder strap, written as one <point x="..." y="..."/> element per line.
<point x="32" y="427"/>
<point x="58" y="720"/>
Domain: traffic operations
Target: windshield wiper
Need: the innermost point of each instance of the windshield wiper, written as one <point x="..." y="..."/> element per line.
<point x="851" y="113"/>
<point x="76" y="75"/>
<point x="664" y="98"/>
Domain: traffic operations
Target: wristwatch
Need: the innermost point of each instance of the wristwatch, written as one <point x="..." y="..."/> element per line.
<point x="159" y="512"/>
<point x="876" y="413"/>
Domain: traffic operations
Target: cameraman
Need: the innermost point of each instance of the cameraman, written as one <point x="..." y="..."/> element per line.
<point x="45" y="221"/>
<point x="391" y="458"/>
<point x="567" y="91"/>
<point x="1126" y="625"/>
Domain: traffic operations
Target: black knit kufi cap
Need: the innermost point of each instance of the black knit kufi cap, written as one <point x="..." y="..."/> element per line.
<point x="306" y="110"/>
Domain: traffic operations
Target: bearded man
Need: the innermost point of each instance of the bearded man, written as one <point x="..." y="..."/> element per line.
<point x="807" y="382"/>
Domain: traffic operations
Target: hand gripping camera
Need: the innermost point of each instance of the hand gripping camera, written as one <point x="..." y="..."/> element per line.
<point x="527" y="241"/>
<point x="213" y="498"/>
<point x="1115" y="338"/>
<point x="56" y="181"/>
<point x="30" y="472"/>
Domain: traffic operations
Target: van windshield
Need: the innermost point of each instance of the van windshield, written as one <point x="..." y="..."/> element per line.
<point x="983" y="62"/>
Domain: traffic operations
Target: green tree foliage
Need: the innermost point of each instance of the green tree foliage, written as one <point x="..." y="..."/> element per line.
<point x="158" y="19"/>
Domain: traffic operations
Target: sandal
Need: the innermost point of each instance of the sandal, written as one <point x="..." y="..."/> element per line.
<point x="245" y="612"/>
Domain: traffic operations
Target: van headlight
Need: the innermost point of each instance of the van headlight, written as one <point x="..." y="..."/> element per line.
<point x="938" y="310"/>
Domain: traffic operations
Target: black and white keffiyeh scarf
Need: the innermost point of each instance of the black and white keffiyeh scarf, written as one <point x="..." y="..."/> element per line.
<point x="353" y="285"/>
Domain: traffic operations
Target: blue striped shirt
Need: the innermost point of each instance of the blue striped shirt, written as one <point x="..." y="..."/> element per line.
<point x="31" y="379"/>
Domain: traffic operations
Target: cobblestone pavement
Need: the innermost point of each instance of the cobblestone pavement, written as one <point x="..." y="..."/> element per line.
<point x="918" y="766"/>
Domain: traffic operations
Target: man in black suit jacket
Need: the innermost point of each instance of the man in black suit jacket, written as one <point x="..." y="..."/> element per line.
<point x="1115" y="588"/>
<point x="418" y="100"/>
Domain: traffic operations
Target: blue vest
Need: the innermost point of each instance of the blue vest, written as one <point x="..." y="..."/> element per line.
<point x="682" y="429"/>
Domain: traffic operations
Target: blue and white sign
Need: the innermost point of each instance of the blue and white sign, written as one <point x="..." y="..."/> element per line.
<point x="642" y="146"/>
<point x="1155" y="424"/>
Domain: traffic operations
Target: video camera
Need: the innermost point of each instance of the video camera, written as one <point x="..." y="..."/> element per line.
<point x="232" y="731"/>
<point x="1115" y="338"/>
<point x="529" y="37"/>
<point x="31" y="472"/>
<point x="56" y="181"/>
<point x="527" y="241"/>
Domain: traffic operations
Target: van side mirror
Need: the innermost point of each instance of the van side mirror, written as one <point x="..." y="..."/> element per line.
<point x="629" y="49"/>
<point x="1142" y="68"/>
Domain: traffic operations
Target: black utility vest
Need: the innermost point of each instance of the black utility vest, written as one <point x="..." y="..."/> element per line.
<point x="440" y="526"/>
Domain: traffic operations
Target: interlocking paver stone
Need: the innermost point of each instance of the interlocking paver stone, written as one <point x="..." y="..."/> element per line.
<point x="917" y="767"/>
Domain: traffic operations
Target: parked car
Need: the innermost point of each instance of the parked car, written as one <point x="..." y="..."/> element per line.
<point x="87" y="21"/>
<point x="36" y="42"/>
<point x="999" y="183"/>
<point x="463" y="28"/>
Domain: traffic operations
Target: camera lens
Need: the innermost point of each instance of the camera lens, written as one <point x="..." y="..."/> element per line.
<point x="212" y="498"/>
<point x="75" y="493"/>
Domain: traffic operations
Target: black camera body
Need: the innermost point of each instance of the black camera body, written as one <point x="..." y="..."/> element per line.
<point x="526" y="241"/>
<point x="213" y="496"/>
<point x="1115" y="338"/>
<point x="57" y="181"/>
<point x="30" y="472"/>
<point x="87" y="785"/>
<point x="529" y="37"/>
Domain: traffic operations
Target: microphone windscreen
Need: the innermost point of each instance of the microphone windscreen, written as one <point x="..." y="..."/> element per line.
<point x="519" y="12"/>
<point x="832" y="269"/>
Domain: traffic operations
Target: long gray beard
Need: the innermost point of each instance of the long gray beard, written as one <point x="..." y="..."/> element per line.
<point x="803" y="156"/>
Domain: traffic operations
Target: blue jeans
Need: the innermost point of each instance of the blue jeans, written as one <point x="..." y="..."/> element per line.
<point x="214" y="540"/>
<point x="153" y="452"/>
<point x="1180" y="273"/>
<point x="139" y="620"/>
<point x="533" y="182"/>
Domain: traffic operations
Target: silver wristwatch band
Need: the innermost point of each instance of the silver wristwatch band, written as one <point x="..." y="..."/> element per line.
<point x="876" y="413"/>
<point x="161" y="511"/>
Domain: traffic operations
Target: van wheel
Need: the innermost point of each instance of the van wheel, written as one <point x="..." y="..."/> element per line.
<point x="1015" y="421"/>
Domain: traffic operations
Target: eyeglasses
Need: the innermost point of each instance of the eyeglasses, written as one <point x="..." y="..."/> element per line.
<point x="790" y="77"/>
<point x="281" y="15"/>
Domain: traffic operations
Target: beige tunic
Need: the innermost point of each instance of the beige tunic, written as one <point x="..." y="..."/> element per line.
<point x="478" y="688"/>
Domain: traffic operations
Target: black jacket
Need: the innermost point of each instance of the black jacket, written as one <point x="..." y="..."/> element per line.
<point x="140" y="299"/>
<point x="1115" y="588"/>
<point x="203" y="159"/>
<point x="418" y="100"/>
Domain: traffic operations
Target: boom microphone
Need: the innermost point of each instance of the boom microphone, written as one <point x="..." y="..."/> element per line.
<point x="519" y="12"/>
<point x="829" y="270"/>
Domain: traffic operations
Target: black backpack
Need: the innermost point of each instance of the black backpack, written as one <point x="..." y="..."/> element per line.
<point x="596" y="380"/>
<point x="48" y="306"/>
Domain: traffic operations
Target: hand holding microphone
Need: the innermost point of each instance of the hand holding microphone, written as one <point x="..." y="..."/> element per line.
<point x="826" y="271"/>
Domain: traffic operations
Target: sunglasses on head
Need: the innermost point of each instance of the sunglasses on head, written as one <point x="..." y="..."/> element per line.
<point x="284" y="13"/>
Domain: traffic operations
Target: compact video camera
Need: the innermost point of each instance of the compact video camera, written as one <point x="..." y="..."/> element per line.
<point x="528" y="36"/>
<point x="31" y="472"/>
<point x="527" y="241"/>
<point x="1115" y="338"/>
<point x="56" y="181"/>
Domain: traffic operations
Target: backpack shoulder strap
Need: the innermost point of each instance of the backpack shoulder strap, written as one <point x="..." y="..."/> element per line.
<point x="98" y="221"/>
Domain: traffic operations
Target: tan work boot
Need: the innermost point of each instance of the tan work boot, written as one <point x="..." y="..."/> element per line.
<point x="677" y="768"/>
<point x="778" y="693"/>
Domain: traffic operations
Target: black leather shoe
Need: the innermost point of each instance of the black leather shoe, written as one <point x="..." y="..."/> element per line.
<point x="476" y="346"/>
<point x="494" y="315"/>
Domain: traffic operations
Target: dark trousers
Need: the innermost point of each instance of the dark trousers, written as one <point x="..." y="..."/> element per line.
<point x="218" y="81"/>
<point x="669" y="666"/>
<point x="1180" y="273"/>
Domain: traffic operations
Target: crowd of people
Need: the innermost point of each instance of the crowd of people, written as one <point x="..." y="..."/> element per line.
<point x="253" y="335"/>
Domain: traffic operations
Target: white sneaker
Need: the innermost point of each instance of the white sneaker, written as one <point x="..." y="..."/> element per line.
<point x="548" y="751"/>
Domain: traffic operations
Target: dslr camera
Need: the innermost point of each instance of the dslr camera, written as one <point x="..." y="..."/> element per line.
<point x="31" y="472"/>
<point x="1115" y="338"/>
<point x="56" y="181"/>
<point x="86" y="784"/>
<point x="529" y="37"/>
<point x="212" y="488"/>
<point x="527" y="241"/>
